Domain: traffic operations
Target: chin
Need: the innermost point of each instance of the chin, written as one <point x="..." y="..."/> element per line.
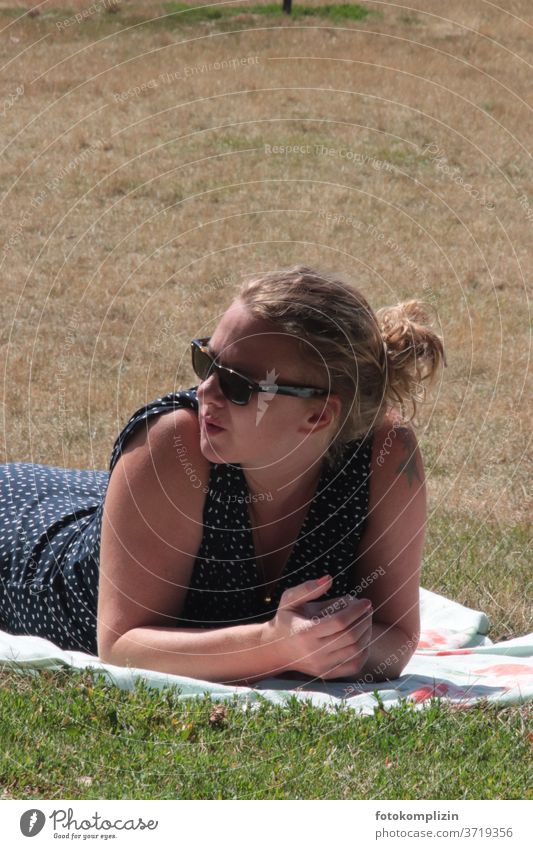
<point x="210" y="453"/>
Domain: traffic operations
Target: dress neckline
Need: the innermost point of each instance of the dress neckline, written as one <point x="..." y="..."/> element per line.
<point x="246" y="518"/>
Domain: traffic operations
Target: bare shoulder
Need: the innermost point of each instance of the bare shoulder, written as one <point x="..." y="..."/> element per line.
<point x="162" y="478"/>
<point x="395" y="451"/>
<point x="168" y="443"/>
<point x="176" y="440"/>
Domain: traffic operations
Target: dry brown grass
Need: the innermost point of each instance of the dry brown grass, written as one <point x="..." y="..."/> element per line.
<point x="153" y="200"/>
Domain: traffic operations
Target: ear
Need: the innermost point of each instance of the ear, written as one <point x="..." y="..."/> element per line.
<point x="325" y="413"/>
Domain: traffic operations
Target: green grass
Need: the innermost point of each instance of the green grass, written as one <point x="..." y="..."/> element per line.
<point x="66" y="735"/>
<point x="483" y="566"/>
<point x="175" y="15"/>
<point x="334" y="11"/>
<point x="214" y="11"/>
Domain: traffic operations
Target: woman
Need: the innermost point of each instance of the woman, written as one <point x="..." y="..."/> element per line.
<point x="270" y="523"/>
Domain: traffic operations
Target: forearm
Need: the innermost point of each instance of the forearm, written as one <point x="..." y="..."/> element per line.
<point x="236" y="655"/>
<point x="389" y="652"/>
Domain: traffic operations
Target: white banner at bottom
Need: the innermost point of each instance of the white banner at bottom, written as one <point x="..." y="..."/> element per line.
<point x="235" y="823"/>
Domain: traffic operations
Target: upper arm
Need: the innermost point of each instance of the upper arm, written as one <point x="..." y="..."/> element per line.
<point x="390" y="549"/>
<point x="152" y="527"/>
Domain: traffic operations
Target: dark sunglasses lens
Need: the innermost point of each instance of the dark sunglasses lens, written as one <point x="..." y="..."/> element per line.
<point x="234" y="387"/>
<point x="201" y="362"/>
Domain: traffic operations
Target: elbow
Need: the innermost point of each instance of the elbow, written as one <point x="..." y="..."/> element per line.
<point x="112" y="655"/>
<point x="391" y="667"/>
<point x="106" y="648"/>
<point x="405" y="653"/>
<point x="394" y="672"/>
<point x="122" y="650"/>
<point x="105" y="652"/>
<point x="389" y="672"/>
<point x="110" y="643"/>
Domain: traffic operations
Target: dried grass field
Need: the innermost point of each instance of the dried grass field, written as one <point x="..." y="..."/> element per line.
<point x="152" y="158"/>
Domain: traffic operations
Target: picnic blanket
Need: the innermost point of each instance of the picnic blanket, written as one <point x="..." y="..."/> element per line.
<point x="455" y="660"/>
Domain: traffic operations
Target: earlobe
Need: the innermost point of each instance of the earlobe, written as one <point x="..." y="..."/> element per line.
<point x="330" y="411"/>
<point x="322" y="417"/>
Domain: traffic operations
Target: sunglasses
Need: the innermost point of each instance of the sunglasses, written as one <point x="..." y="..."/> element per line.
<point x="236" y="387"/>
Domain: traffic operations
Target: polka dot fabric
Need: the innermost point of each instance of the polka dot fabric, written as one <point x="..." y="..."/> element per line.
<point x="50" y="525"/>
<point x="49" y="545"/>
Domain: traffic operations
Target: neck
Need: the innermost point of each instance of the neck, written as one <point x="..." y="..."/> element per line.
<point x="289" y="488"/>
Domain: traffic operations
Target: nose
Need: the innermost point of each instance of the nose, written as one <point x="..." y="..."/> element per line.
<point x="209" y="391"/>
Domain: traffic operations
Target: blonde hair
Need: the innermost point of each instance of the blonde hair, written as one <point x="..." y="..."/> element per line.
<point x="371" y="359"/>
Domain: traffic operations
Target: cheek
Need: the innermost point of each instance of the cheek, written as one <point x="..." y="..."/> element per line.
<point x="256" y="423"/>
<point x="261" y="421"/>
<point x="244" y="420"/>
<point x="276" y="422"/>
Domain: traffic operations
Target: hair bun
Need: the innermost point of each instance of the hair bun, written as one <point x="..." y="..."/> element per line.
<point x="413" y="352"/>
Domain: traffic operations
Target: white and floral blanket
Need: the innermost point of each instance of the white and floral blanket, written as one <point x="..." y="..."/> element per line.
<point x="455" y="661"/>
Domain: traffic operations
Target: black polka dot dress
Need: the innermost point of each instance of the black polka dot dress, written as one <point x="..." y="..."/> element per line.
<point x="50" y="525"/>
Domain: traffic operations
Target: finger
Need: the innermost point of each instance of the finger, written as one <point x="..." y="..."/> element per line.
<point x="341" y="602"/>
<point x="342" y="619"/>
<point x="358" y="634"/>
<point x="301" y="593"/>
<point x="348" y="650"/>
<point x="345" y="606"/>
<point x="350" y="655"/>
<point x="343" y="666"/>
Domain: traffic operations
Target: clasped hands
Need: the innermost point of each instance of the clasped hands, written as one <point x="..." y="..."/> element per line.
<point x="326" y="639"/>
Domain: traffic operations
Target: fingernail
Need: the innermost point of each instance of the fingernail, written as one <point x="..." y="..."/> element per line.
<point x="323" y="580"/>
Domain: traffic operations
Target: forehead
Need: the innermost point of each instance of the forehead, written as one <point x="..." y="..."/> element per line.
<point x="251" y="344"/>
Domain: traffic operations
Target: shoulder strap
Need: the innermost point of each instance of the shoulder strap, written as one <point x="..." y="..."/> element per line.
<point x="165" y="404"/>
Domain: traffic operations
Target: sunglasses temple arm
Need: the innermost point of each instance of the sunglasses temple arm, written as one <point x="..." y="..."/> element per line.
<point x="299" y="392"/>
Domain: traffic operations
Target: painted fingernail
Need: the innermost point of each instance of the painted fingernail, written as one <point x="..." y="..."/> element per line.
<point x="323" y="580"/>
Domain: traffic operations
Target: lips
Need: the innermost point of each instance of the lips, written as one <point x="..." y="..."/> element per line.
<point x="211" y="424"/>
